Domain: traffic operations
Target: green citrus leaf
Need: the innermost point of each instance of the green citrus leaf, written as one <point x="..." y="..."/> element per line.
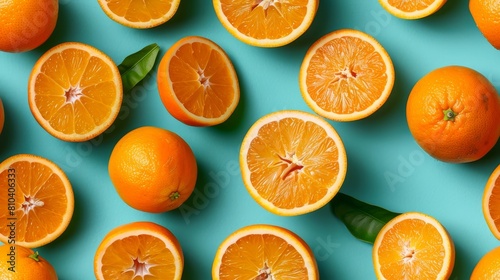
<point x="136" y="66"/>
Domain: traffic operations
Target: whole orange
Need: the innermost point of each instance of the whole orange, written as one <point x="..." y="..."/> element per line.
<point x="488" y="267"/>
<point x="20" y="263"/>
<point x="153" y="169"/>
<point x="486" y="15"/>
<point x="26" y="24"/>
<point x="453" y="114"/>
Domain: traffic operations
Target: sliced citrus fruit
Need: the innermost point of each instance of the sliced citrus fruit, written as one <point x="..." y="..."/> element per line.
<point x="292" y="162"/>
<point x="37" y="203"/>
<point x="415" y="9"/>
<point x="346" y="75"/>
<point x="197" y="82"/>
<point x="491" y="202"/>
<point x="139" y="13"/>
<point x="413" y="246"/>
<point x="266" y="23"/>
<point x="264" y="252"/>
<point x="75" y="91"/>
<point x="139" y="250"/>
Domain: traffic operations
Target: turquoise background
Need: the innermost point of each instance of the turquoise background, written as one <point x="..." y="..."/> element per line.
<point x="385" y="166"/>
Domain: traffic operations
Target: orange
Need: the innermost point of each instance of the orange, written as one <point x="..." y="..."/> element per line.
<point x="292" y="162"/>
<point x="491" y="202"/>
<point x="139" y="250"/>
<point x="485" y="14"/>
<point x="26" y="24"/>
<point x="264" y="252"/>
<point x="75" y="91"/>
<point x="488" y="267"/>
<point x="413" y="246"/>
<point x="197" y="82"/>
<point x="266" y="23"/>
<point x="153" y="169"/>
<point x="139" y="13"/>
<point x="21" y="263"/>
<point x="346" y="75"/>
<point x="452" y="112"/>
<point x="414" y="9"/>
<point x="38" y="201"/>
<point x="2" y="116"/>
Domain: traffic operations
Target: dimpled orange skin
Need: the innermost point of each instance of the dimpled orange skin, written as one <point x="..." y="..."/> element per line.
<point x="486" y="15"/>
<point x="26" y="24"/>
<point x="471" y="98"/>
<point x="25" y="267"/>
<point x="153" y="169"/>
<point x="488" y="267"/>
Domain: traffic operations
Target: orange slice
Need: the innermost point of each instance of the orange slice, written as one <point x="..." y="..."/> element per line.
<point x="292" y="162"/>
<point x="413" y="246"/>
<point x="139" y="250"/>
<point x="38" y="202"/>
<point x="491" y="202"/>
<point x="197" y="82"/>
<point x="264" y="252"/>
<point x="139" y="13"/>
<point x="414" y="9"/>
<point x="75" y="91"/>
<point x="346" y="75"/>
<point x="266" y="23"/>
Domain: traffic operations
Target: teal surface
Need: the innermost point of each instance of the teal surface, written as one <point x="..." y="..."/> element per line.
<point x="385" y="166"/>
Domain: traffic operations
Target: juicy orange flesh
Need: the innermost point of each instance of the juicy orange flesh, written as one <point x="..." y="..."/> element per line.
<point x="494" y="203"/>
<point x="412" y="249"/>
<point x="410" y="6"/>
<point x="292" y="162"/>
<point x="255" y="254"/>
<point x="201" y="80"/>
<point x="138" y="255"/>
<point x="91" y="82"/>
<point x="36" y="183"/>
<point x="346" y="75"/>
<point x="264" y="19"/>
<point x="139" y="10"/>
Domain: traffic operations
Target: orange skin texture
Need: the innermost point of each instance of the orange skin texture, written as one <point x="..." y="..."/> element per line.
<point x="26" y="24"/>
<point x="488" y="267"/>
<point x="486" y="15"/>
<point x="153" y="170"/>
<point x="25" y="267"/>
<point x="476" y="104"/>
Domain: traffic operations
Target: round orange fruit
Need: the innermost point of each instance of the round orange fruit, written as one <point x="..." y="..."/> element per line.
<point x="491" y="202"/>
<point x="488" y="267"/>
<point x="486" y="15"/>
<point x="21" y="263"/>
<point x="452" y="112"/>
<point x="153" y="169"/>
<point x="26" y="24"/>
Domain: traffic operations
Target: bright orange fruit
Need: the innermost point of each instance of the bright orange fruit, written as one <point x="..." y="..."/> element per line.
<point x="491" y="202"/>
<point x="486" y="14"/>
<point x="264" y="252"/>
<point x="139" y="250"/>
<point x="21" y="263"/>
<point x="414" y="9"/>
<point x="488" y="267"/>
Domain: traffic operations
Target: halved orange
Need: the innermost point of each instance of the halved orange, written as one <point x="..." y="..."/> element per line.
<point x="197" y="82"/>
<point x="292" y="162"/>
<point x="139" y="13"/>
<point x="413" y="245"/>
<point x="491" y="202"/>
<point x="264" y="252"/>
<point x="37" y="203"/>
<point x="266" y="23"/>
<point x="75" y="91"/>
<point x="139" y="250"/>
<point x="414" y="9"/>
<point x="346" y="75"/>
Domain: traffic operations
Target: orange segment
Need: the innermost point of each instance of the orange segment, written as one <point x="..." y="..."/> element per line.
<point x="38" y="200"/>
<point x="346" y="75"/>
<point x="292" y="162"/>
<point x="264" y="252"/>
<point x="413" y="246"/>
<point x="139" y="13"/>
<point x="414" y="9"/>
<point x="491" y="202"/>
<point x="139" y="250"/>
<point x="75" y="91"/>
<point x="197" y="82"/>
<point x="266" y="23"/>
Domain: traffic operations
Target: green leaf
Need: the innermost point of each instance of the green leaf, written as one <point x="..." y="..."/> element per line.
<point x="136" y="66"/>
<point x="363" y="220"/>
